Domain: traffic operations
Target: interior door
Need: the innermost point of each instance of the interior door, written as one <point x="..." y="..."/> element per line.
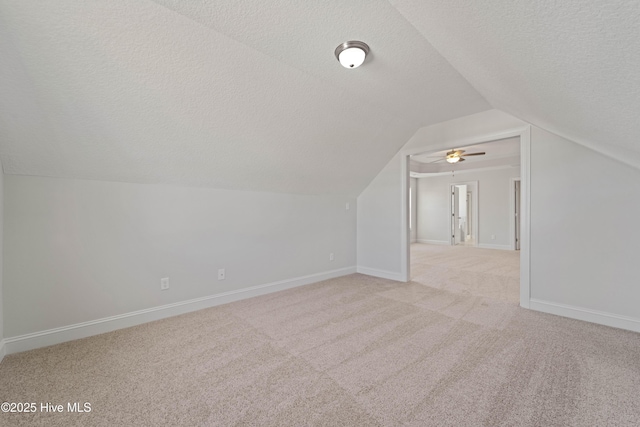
<point x="517" y="213"/>
<point x="455" y="215"/>
<point x="469" y="218"/>
<point x="462" y="213"/>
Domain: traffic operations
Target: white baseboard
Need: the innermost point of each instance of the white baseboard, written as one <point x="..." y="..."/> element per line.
<point x="3" y="350"/>
<point x="490" y="246"/>
<point x="391" y="275"/>
<point x="588" y="315"/>
<point x="108" y="324"/>
<point x="434" y="242"/>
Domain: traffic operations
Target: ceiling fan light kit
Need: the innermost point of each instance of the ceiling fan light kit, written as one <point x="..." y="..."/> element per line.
<point x="455" y="156"/>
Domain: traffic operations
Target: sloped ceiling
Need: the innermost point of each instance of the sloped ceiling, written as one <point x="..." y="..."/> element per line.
<point x="229" y="94"/>
<point x="568" y="66"/>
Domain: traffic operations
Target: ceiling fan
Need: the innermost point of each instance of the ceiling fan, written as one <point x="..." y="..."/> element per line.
<point x="455" y="156"/>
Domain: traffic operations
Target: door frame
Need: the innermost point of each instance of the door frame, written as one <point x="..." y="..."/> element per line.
<point x="512" y="209"/>
<point x="524" y="133"/>
<point x="475" y="220"/>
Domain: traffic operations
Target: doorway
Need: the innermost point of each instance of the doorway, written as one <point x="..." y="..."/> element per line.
<point x="524" y="135"/>
<point x="464" y="213"/>
<point x="515" y="207"/>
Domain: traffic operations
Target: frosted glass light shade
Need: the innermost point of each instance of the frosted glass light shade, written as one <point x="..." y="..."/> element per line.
<point x="453" y="159"/>
<point x="352" y="54"/>
<point x="352" y="57"/>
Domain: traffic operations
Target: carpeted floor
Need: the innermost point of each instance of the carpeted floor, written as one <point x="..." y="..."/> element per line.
<point x="468" y="271"/>
<point x="352" y="351"/>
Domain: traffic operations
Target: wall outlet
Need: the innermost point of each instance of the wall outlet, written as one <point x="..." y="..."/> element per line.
<point x="493" y="237"/>
<point x="331" y="256"/>
<point x="221" y="274"/>
<point x="164" y="283"/>
<point x="348" y="206"/>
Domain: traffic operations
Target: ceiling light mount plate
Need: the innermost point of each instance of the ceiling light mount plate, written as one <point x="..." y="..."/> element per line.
<point x="352" y="54"/>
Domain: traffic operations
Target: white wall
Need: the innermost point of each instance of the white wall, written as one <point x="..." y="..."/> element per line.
<point x="83" y="250"/>
<point x="434" y="200"/>
<point x="584" y="242"/>
<point x="441" y="134"/>
<point x="433" y="203"/>
<point x="379" y="223"/>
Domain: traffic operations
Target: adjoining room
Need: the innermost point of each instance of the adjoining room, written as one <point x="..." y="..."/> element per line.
<point x="464" y="219"/>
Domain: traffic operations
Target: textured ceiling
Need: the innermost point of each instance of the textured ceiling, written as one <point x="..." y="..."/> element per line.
<point x="568" y="66"/>
<point x="499" y="153"/>
<point x="228" y="94"/>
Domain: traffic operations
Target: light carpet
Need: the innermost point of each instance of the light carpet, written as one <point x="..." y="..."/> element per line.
<point x="352" y="351"/>
<point x="468" y="270"/>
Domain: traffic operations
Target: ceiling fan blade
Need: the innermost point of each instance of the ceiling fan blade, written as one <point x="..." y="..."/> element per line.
<point x="461" y="160"/>
<point x="474" y="154"/>
<point x="454" y="152"/>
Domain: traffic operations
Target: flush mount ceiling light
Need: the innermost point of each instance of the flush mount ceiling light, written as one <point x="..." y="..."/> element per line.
<point x="352" y="54"/>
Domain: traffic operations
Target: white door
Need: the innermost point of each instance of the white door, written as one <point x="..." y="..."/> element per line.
<point x="469" y="216"/>
<point x="462" y="213"/>
<point x="517" y="213"/>
<point x="455" y="215"/>
<point x="454" y="202"/>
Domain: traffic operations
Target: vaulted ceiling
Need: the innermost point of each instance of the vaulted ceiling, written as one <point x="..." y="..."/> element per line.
<point x="570" y="66"/>
<point x="248" y="95"/>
